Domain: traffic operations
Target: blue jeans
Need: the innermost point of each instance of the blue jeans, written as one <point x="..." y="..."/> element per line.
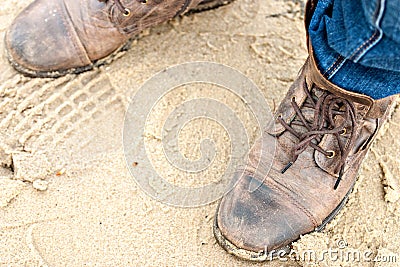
<point x="357" y="44"/>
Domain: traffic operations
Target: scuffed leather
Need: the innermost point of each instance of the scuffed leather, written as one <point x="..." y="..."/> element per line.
<point x="42" y="37"/>
<point x="59" y="35"/>
<point x="261" y="220"/>
<point x="285" y="109"/>
<point x="266" y="209"/>
<point x="285" y="206"/>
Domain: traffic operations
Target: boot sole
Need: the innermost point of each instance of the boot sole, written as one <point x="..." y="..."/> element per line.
<point x="208" y="5"/>
<point x="262" y="255"/>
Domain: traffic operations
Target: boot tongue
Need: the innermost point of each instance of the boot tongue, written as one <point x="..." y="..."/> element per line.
<point x="330" y="143"/>
<point x="325" y="112"/>
<point x="362" y="128"/>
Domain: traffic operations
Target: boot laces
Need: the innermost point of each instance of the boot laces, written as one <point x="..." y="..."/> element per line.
<point x="326" y="108"/>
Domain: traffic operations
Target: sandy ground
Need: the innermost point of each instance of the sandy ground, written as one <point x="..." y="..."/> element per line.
<point x="69" y="200"/>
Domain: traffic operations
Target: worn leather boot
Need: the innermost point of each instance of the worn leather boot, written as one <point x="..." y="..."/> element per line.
<point x="57" y="37"/>
<point x="315" y="146"/>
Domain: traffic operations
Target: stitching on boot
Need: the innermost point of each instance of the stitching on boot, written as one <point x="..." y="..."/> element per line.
<point x="280" y="192"/>
<point x="293" y="201"/>
<point x="86" y="59"/>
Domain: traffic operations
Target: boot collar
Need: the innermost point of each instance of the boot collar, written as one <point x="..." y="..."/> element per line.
<point x="376" y="108"/>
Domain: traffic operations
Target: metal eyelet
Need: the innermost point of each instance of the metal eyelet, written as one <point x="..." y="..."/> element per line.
<point x="343" y="132"/>
<point x="293" y="99"/>
<point x="127" y="12"/>
<point x="143" y="1"/>
<point x="332" y="155"/>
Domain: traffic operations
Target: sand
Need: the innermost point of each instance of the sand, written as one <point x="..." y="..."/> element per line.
<point x="66" y="195"/>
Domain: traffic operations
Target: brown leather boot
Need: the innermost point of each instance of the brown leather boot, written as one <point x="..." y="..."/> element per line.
<point x="316" y="143"/>
<point x="54" y="38"/>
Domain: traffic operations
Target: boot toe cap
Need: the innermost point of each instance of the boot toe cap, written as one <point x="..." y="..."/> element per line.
<point x="41" y="39"/>
<point x="260" y="220"/>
